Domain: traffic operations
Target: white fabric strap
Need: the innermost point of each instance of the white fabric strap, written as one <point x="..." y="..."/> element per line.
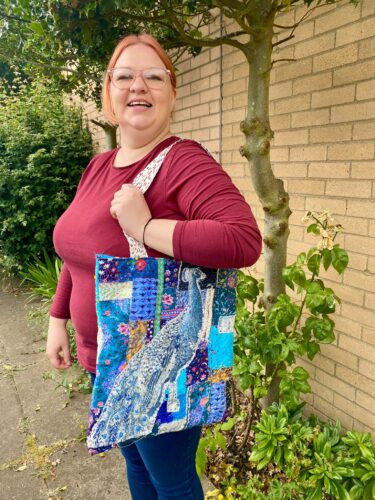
<point x="143" y="181"/>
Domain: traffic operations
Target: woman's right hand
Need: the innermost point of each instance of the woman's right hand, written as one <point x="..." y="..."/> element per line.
<point x="57" y="350"/>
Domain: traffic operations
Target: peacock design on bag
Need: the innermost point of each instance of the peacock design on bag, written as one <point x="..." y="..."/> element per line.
<point x="139" y="390"/>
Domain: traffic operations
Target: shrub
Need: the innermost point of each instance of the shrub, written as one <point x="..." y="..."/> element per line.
<point x="44" y="146"/>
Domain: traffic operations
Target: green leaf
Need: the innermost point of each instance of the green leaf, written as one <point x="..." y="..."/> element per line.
<point x="327" y="258"/>
<point x="313" y="228"/>
<point x="37" y="28"/>
<point x="313" y="264"/>
<point x="340" y="259"/>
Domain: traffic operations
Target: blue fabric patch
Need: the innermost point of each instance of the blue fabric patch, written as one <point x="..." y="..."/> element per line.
<point x="220" y="349"/>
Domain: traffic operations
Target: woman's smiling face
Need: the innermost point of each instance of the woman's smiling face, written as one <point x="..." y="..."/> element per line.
<point x="139" y="107"/>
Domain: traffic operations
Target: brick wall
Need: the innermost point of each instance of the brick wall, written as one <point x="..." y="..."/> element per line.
<point x="323" y="114"/>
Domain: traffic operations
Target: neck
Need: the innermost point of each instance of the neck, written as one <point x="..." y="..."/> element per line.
<point x="135" y="146"/>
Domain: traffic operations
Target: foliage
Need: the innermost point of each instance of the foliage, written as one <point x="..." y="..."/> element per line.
<point x="44" y="146"/>
<point x="42" y="277"/>
<point x="280" y="454"/>
<point x="71" y="41"/>
<point x="295" y="325"/>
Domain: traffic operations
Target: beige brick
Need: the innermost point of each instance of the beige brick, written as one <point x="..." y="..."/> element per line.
<point x="335" y="58"/>
<point x="346" y="325"/>
<point x="231" y="116"/>
<point x="371" y="228"/>
<point x="311" y="83"/>
<point x="354" y="73"/>
<point x="209" y="121"/>
<point x="200" y="85"/>
<point x="293" y="70"/>
<point x="331" y="133"/>
<point x="367" y="368"/>
<point x="215" y="53"/>
<point x="240" y="100"/>
<point x="367" y="48"/>
<point x="351" y="151"/>
<point x="365" y="401"/>
<point x="215" y="80"/>
<point x="362" y="349"/>
<point x="348" y="188"/>
<point x="338" y="17"/>
<point x="200" y="135"/>
<point x="305" y="153"/>
<point x="232" y="88"/>
<point x="335" y="383"/>
<point x="363" y="280"/>
<point x="368" y="334"/>
<point x="366" y="90"/>
<point x="183" y="91"/>
<point x="353" y="112"/>
<point x="345" y="419"/>
<point x="291" y="137"/>
<point x="279" y="154"/>
<point x="347" y="293"/>
<point x="183" y="114"/>
<point x="297" y="202"/>
<point x="201" y="109"/>
<point x="215" y="133"/>
<point x="305" y="186"/>
<point x="227" y="76"/>
<point x="340" y="356"/>
<point x="353" y="225"/>
<point x="291" y="170"/>
<point x="189" y="125"/>
<point x="241" y="72"/>
<point x="329" y="170"/>
<point x="325" y="364"/>
<point x="191" y="76"/>
<point x="332" y="97"/>
<point x="371" y="265"/>
<point x="368" y="8"/>
<point x="215" y="107"/>
<point x="361" y="208"/>
<point x="335" y="206"/>
<point x="361" y="315"/>
<point x="324" y="392"/>
<point x="356" y="31"/>
<point x="356" y="411"/>
<point x="308" y="118"/>
<point x="280" y="122"/>
<point x="364" y="130"/>
<point x="360" y="244"/>
<point x="305" y="30"/>
<point x="280" y="90"/>
<point x="316" y="45"/>
<point x="209" y="95"/>
<point x="295" y="103"/>
<point x="235" y="170"/>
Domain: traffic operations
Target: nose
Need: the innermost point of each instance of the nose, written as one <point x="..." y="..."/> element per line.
<point x="138" y="85"/>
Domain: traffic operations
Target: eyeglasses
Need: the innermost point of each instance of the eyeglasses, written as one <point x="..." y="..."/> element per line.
<point x="123" y="78"/>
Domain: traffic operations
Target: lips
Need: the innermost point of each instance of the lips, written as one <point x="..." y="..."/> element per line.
<point x="139" y="102"/>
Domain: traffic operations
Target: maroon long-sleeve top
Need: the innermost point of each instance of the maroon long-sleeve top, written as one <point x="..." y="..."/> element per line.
<point x="216" y="227"/>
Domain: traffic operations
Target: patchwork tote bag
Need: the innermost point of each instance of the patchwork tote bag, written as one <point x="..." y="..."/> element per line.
<point x="165" y="343"/>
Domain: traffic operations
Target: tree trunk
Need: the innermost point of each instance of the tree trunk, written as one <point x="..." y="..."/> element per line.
<point x="110" y="133"/>
<point x="270" y="191"/>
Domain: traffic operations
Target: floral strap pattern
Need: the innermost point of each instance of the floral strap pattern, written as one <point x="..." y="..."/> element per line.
<point x="143" y="181"/>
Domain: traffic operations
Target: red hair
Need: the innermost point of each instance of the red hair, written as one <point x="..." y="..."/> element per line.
<point x="126" y="42"/>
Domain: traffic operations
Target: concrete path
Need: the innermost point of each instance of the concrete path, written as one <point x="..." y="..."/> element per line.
<point x="41" y="454"/>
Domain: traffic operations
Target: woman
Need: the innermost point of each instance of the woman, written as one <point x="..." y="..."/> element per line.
<point x="191" y="212"/>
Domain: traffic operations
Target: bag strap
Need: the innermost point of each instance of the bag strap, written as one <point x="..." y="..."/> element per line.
<point x="143" y="181"/>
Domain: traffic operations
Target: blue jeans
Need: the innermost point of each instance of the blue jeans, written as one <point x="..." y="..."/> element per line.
<point x="163" y="467"/>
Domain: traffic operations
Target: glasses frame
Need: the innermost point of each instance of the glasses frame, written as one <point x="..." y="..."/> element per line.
<point x="136" y="74"/>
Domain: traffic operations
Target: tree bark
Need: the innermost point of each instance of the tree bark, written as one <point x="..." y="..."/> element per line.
<point x="110" y="133"/>
<point x="270" y="191"/>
